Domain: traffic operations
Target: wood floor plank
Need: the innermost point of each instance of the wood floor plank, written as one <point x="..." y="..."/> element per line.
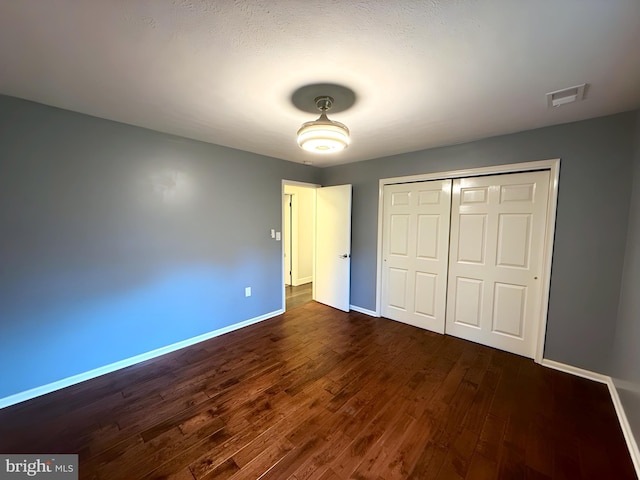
<point x="380" y="457"/>
<point x="405" y="457"/>
<point x="456" y="464"/>
<point x="429" y="463"/>
<point x="490" y="441"/>
<point x="481" y="468"/>
<point x="349" y="460"/>
<point x="321" y="394"/>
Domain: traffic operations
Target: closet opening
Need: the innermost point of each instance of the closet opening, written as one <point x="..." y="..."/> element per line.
<point x="468" y="253"/>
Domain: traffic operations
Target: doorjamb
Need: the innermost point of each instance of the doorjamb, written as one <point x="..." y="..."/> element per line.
<point x="294" y="183"/>
<point x="553" y="165"/>
<point x="288" y="210"/>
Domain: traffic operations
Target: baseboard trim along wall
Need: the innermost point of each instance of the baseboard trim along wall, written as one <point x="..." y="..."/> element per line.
<point x="97" y="372"/>
<point x="51" y="387"/>
<point x="371" y="313"/>
<point x="632" y="445"/>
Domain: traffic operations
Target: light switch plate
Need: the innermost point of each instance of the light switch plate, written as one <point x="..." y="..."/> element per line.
<point x="273" y="233"/>
<point x="277" y="236"/>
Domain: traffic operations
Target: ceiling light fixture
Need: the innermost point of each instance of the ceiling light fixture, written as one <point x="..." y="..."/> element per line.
<point x="323" y="135"/>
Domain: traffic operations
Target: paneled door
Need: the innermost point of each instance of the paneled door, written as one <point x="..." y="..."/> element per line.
<point x="333" y="247"/>
<point x="496" y="260"/>
<point x="415" y="243"/>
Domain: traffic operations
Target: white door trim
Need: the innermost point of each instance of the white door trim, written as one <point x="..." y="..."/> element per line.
<point x="287" y="237"/>
<point x="553" y="165"/>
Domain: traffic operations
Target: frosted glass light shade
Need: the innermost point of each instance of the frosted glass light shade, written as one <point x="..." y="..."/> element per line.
<point x="323" y="136"/>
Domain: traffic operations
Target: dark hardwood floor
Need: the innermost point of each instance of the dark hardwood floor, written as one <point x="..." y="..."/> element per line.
<point x="297" y="296"/>
<point x="321" y="394"/>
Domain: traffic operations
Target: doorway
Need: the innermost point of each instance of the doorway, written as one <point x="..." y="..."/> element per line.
<point x="298" y="215"/>
<point x="473" y="248"/>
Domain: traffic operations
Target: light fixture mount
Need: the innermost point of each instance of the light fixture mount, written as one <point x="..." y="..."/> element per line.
<point x="323" y="135"/>
<point x="304" y="98"/>
<point x="324" y="103"/>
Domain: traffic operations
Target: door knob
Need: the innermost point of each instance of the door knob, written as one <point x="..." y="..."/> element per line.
<point x="346" y="255"/>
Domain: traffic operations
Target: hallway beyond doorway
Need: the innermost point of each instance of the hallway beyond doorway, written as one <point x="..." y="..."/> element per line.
<point x="297" y="296"/>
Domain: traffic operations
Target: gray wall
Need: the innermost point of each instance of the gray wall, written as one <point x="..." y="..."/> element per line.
<point x="593" y="208"/>
<point x="116" y="240"/>
<point x="626" y="345"/>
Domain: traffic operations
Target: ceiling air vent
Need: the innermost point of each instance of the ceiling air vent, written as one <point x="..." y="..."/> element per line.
<point x="566" y="95"/>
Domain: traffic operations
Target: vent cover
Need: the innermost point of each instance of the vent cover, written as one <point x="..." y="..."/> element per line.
<point x="566" y="95"/>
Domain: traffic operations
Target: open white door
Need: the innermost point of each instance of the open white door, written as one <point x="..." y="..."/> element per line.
<point x="333" y="246"/>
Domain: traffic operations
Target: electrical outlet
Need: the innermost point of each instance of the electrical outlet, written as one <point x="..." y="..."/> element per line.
<point x="247" y="291"/>
<point x="277" y="236"/>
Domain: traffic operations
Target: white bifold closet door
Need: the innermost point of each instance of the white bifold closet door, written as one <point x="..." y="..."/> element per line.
<point x="495" y="261"/>
<point x="415" y="253"/>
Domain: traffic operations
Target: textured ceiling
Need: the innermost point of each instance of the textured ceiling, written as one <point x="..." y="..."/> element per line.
<point x="425" y="73"/>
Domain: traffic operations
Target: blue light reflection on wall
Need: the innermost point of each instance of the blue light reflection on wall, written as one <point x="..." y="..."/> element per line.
<point x="71" y="339"/>
<point x="115" y="241"/>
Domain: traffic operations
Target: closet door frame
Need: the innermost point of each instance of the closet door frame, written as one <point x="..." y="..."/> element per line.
<point x="553" y="165"/>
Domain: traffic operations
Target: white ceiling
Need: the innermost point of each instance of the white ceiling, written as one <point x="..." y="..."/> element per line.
<point x="425" y="73"/>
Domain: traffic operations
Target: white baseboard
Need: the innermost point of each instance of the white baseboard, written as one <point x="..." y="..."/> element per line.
<point x="302" y="281"/>
<point x="97" y="372"/>
<point x="578" y="372"/>
<point x="632" y="445"/>
<point x="371" y="313"/>
<point x="624" y="424"/>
